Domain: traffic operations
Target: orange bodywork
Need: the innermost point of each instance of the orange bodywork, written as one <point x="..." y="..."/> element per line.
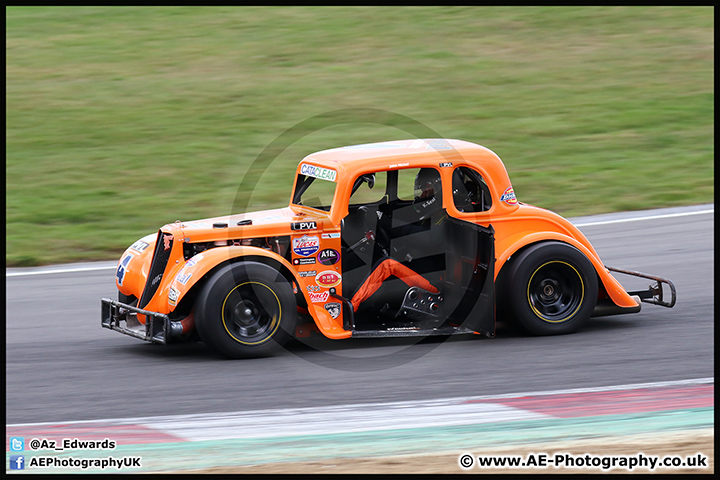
<point x="308" y="232"/>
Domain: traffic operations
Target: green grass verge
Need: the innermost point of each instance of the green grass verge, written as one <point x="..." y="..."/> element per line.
<point x="122" y="119"/>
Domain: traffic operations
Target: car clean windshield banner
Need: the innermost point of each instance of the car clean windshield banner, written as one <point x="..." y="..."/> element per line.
<point x="318" y="172"/>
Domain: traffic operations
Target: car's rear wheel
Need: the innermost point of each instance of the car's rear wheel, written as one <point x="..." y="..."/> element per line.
<point x="245" y="310"/>
<point x="550" y="289"/>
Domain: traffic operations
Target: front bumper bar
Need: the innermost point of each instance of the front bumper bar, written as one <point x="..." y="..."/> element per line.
<point x="122" y="318"/>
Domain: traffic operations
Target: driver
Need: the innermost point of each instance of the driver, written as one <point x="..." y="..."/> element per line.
<point x="428" y="193"/>
<point x="428" y="200"/>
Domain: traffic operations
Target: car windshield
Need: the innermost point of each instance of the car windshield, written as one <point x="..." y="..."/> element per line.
<point x="315" y="192"/>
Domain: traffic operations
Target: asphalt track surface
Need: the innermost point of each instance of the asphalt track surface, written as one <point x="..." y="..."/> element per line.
<point x="61" y="366"/>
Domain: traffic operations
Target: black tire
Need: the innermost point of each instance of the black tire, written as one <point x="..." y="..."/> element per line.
<point x="551" y="288"/>
<point x="245" y="310"/>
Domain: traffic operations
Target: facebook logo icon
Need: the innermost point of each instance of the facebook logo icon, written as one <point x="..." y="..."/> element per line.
<point x="17" y="462"/>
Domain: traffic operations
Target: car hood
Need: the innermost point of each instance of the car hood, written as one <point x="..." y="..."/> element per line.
<point x="275" y="222"/>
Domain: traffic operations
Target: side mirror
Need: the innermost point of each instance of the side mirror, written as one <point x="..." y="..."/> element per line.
<point x="369" y="178"/>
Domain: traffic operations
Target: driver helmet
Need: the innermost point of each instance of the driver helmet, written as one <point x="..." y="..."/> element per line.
<point x="427" y="184"/>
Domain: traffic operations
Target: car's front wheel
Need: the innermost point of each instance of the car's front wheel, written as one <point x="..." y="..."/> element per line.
<point x="550" y="289"/>
<point x="244" y="310"/>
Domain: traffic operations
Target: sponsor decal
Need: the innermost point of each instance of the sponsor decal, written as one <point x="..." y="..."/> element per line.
<point x="446" y="164"/>
<point x="429" y="202"/>
<point x="304" y="261"/>
<point x="122" y="268"/>
<point x="303" y="225"/>
<point x="328" y="256"/>
<point x="173" y="296"/>
<point x="318" y="172"/>
<point x="182" y="276"/>
<point x="194" y="260"/>
<point x="328" y="279"/>
<point x="333" y="309"/>
<point x="319" y="297"/>
<point x="155" y="280"/>
<point x="508" y="196"/>
<point x="313" y="288"/>
<point x="305" y="245"/>
<point x="139" y="246"/>
<point x="168" y="240"/>
<point x="308" y="273"/>
<point x="326" y="236"/>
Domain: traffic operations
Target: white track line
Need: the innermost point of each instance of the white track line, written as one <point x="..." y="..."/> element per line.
<point x="78" y="269"/>
<point x="367" y="408"/>
<point x="649" y="217"/>
<point x="61" y="270"/>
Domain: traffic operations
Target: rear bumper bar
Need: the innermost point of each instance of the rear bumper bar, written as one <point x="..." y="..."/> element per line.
<point x="655" y="292"/>
<point x="122" y="318"/>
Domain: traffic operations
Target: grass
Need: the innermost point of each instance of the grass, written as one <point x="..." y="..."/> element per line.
<point x="122" y="119"/>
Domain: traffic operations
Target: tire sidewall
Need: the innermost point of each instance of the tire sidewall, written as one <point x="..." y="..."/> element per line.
<point x="217" y="289"/>
<point x="530" y="264"/>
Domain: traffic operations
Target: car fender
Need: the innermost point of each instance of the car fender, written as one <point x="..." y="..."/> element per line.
<point x="186" y="276"/>
<point x="614" y="289"/>
<point x="132" y="270"/>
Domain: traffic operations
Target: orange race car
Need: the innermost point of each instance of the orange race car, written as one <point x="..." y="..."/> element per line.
<point x="406" y="238"/>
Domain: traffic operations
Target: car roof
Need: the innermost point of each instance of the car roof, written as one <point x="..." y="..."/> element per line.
<point x="403" y="153"/>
